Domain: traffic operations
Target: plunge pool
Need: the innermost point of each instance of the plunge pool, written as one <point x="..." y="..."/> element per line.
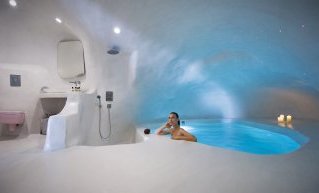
<point x="250" y="137"/>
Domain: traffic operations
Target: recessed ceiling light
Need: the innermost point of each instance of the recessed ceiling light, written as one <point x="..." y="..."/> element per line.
<point x="117" y="30"/>
<point x="13" y="3"/>
<point x="58" y="20"/>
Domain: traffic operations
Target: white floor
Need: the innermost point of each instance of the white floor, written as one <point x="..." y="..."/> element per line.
<point x="159" y="165"/>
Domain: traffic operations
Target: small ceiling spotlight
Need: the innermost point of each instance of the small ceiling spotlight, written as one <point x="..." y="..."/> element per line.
<point x="117" y="30"/>
<point x="13" y="3"/>
<point x="58" y="20"/>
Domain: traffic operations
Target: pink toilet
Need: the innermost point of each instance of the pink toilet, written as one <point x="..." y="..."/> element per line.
<point x="12" y="118"/>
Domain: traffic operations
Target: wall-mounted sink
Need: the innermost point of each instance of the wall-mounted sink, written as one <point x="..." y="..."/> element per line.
<point x="53" y="95"/>
<point x="46" y="92"/>
<point x="53" y="100"/>
<point x="58" y="93"/>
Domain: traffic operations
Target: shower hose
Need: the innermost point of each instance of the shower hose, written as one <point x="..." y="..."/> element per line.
<point x="109" y="118"/>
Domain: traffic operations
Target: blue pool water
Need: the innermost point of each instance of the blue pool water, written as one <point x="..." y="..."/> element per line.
<point x="248" y="137"/>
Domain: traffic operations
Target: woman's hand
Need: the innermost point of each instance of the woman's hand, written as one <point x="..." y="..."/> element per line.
<point x="165" y="129"/>
<point x="168" y="125"/>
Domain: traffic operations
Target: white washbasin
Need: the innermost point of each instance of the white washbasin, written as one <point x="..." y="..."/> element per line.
<point x="54" y="95"/>
<point x="58" y="93"/>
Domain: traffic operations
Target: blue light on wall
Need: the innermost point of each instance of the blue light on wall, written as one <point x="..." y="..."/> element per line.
<point x="257" y="61"/>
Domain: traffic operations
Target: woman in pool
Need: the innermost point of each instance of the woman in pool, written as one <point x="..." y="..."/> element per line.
<point x="172" y="127"/>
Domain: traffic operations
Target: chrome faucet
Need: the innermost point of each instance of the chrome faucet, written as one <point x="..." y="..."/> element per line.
<point x="77" y="85"/>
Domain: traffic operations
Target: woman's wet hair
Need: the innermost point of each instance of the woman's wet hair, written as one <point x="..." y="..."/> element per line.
<point x="179" y="123"/>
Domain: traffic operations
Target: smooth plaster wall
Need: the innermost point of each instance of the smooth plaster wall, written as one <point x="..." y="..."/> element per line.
<point x="28" y="47"/>
<point x="24" y="98"/>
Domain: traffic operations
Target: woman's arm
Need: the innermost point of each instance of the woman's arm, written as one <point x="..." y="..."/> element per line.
<point x="163" y="130"/>
<point x="184" y="135"/>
